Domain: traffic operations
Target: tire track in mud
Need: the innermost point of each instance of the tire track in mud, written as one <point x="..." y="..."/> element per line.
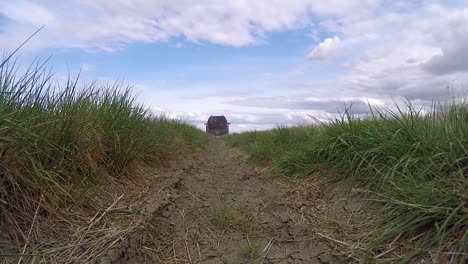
<point x="215" y="207"/>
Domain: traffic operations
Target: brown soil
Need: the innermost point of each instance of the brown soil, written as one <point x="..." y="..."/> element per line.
<point x="214" y="207"/>
<point x="211" y="206"/>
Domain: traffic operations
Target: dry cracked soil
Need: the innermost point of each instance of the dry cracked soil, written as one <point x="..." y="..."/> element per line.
<point x="213" y="206"/>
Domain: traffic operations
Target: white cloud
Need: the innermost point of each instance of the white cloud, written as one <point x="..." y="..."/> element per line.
<point x="325" y="50"/>
<point x="342" y="7"/>
<point x="451" y="32"/>
<point x="25" y="12"/>
<point x="407" y="50"/>
<point x="112" y="24"/>
<point x="85" y="67"/>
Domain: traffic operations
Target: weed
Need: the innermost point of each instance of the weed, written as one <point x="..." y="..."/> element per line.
<point x="250" y="251"/>
<point x="228" y="217"/>
<point x="237" y="218"/>
<point x="246" y="225"/>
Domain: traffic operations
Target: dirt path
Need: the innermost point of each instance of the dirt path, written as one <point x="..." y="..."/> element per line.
<point x="214" y="207"/>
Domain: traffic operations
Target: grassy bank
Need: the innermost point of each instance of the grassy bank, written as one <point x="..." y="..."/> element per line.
<point x="416" y="164"/>
<point x="58" y="142"/>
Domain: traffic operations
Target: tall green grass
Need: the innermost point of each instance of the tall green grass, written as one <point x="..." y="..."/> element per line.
<point x="416" y="163"/>
<point x="57" y="142"/>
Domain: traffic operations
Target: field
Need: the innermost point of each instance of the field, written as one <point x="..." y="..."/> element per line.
<point x="414" y="165"/>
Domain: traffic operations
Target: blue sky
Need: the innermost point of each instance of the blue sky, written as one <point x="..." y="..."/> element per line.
<point x="261" y="63"/>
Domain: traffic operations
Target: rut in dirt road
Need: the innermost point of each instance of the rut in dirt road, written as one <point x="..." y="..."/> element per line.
<point x="214" y="207"/>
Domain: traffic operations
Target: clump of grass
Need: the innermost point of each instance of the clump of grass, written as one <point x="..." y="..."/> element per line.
<point x="57" y="142"/>
<point x="227" y="217"/>
<point x="247" y="224"/>
<point x="271" y="147"/>
<point x="236" y="217"/>
<point x="416" y="163"/>
<point x="250" y="251"/>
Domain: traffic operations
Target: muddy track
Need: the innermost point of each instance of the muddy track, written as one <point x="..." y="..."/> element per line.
<point x="214" y="207"/>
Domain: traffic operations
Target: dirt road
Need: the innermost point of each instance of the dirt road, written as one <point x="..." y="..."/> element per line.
<point x="214" y="207"/>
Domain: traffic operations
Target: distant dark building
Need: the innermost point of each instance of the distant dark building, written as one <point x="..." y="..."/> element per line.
<point x="217" y="125"/>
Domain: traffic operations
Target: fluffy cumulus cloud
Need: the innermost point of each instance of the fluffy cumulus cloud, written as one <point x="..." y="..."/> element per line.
<point x="112" y="24"/>
<point x="408" y="49"/>
<point x="451" y="32"/>
<point x="326" y="49"/>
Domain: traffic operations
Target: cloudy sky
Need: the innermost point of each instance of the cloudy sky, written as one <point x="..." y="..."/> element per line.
<point x="259" y="62"/>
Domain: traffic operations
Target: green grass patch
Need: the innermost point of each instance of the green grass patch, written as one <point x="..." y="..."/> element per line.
<point x="237" y="217"/>
<point x="57" y="142"/>
<point x="251" y="251"/>
<point x="227" y="217"/>
<point x="416" y="163"/>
